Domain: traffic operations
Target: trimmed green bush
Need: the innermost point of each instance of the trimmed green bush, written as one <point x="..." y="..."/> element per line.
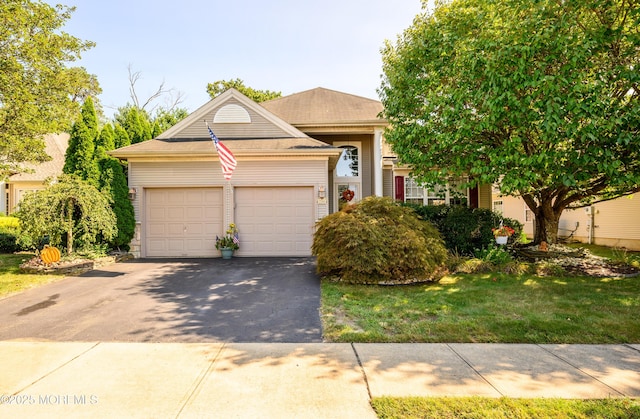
<point x="466" y="229"/>
<point x="377" y="241"/>
<point x="9" y="231"/>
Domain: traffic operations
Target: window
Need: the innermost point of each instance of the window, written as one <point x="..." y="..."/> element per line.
<point x="413" y="193"/>
<point x="528" y="215"/>
<point x="497" y="206"/>
<point x="457" y="194"/>
<point x="450" y="194"/>
<point x="437" y="195"/>
<point x="348" y="164"/>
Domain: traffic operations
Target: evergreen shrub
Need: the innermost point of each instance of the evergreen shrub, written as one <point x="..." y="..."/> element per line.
<point x="465" y="229"/>
<point x="377" y="241"/>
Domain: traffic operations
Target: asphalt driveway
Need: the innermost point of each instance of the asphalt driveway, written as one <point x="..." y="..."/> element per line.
<point x="194" y="300"/>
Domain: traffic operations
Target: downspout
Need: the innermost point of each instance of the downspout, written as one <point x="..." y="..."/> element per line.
<point x="590" y="210"/>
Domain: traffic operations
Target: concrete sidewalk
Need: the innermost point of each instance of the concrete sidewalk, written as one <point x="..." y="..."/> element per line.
<point x="320" y="380"/>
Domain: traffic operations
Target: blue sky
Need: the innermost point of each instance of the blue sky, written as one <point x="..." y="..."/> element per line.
<point x="281" y="45"/>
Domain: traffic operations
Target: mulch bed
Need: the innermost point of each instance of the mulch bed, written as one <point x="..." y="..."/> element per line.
<point x="71" y="266"/>
<point x="577" y="261"/>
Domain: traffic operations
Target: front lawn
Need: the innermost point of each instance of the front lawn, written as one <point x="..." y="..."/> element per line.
<point x="480" y="408"/>
<point x="13" y="280"/>
<point x="493" y="307"/>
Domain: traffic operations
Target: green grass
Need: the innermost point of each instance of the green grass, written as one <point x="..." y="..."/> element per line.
<point x="12" y="280"/>
<point x="481" y="408"/>
<point x="486" y="308"/>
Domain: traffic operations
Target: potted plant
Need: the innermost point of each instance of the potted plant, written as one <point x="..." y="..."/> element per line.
<point x="502" y="233"/>
<point x="228" y="243"/>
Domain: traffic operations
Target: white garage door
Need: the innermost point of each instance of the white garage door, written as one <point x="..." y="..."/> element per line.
<point x="275" y="221"/>
<point x="182" y="222"/>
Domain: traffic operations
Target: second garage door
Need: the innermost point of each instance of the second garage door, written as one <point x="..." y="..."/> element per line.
<point x="276" y="221"/>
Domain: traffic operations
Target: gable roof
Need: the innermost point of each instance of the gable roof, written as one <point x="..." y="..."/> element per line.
<point x="320" y="106"/>
<point x="55" y="145"/>
<point x="228" y="115"/>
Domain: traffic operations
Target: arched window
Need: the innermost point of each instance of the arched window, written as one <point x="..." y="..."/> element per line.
<point x="349" y="162"/>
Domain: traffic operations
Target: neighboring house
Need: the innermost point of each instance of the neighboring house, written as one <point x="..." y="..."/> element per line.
<point x="296" y="155"/>
<point x="614" y="223"/>
<point x="36" y="179"/>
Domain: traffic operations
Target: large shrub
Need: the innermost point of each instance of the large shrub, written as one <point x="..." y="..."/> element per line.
<point x="466" y="229"/>
<point x="378" y="242"/>
<point x="70" y="210"/>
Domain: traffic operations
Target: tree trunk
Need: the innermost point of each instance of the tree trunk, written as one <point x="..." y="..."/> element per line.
<point x="546" y="229"/>
<point x="547" y="218"/>
<point x="70" y="208"/>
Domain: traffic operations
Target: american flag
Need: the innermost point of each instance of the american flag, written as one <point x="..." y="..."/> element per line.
<point x="227" y="160"/>
<point x="236" y="239"/>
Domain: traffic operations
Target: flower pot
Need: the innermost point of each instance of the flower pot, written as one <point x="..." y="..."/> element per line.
<point x="502" y="239"/>
<point x="227" y="253"/>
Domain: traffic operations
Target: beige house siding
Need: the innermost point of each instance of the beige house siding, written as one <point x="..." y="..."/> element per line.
<point x="17" y="191"/>
<point x="260" y="127"/>
<point x="515" y="208"/>
<point x="36" y="178"/>
<point x="616" y="223"/>
<point x="484" y="196"/>
<point x="387" y="183"/>
<point x="208" y="173"/>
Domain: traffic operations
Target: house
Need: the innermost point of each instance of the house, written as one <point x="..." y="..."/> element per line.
<point x="296" y="156"/>
<point x="614" y="223"/>
<point x="38" y="174"/>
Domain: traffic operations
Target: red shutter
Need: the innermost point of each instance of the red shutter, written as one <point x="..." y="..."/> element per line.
<point x="400" y="188"/>
<point x="474" y="199"/>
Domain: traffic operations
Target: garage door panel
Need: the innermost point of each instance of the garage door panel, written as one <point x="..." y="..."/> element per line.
<point x="174" y="229"/>
<point x="182" y="222"/>
<point x="174" y="245"/>
<point x="156" y="245"/>
<point x="275" y="221"/>
<point x="155" y="229"/>
<point x="174" y="213"/>
<point x="193" y="213"/>
<point x="156" y="214"/>
<point x="193" y="197"/>
<point x="173" y="196"/>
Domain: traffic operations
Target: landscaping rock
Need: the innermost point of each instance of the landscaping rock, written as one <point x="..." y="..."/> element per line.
<point x="78" y="266"/>
<point x="576" y="261"/>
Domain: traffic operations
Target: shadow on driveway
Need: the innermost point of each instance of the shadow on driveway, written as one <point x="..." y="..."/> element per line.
<point x="184" y="300"/>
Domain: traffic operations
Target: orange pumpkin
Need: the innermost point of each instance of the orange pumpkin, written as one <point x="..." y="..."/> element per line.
<point x="50" y="255"/>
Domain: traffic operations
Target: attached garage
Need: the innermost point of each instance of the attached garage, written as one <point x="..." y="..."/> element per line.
<point x="275" y="195"/>
<point x="276" y="221"/>
<point x="182" y="222"/>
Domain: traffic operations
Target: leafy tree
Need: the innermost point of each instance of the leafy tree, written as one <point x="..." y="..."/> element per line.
<point x="80" y="155"/>
<point x="136" y="123"/>
<point x="541" y="97"/>
<point x="113" y="182"/>
<point x="221" y="86"/>
<point x="39" y="94"/>
<point x="71" y="209"/>
<point x="165" y="119"/>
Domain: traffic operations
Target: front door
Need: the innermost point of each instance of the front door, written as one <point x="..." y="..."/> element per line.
<point x="347" y="178"/>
